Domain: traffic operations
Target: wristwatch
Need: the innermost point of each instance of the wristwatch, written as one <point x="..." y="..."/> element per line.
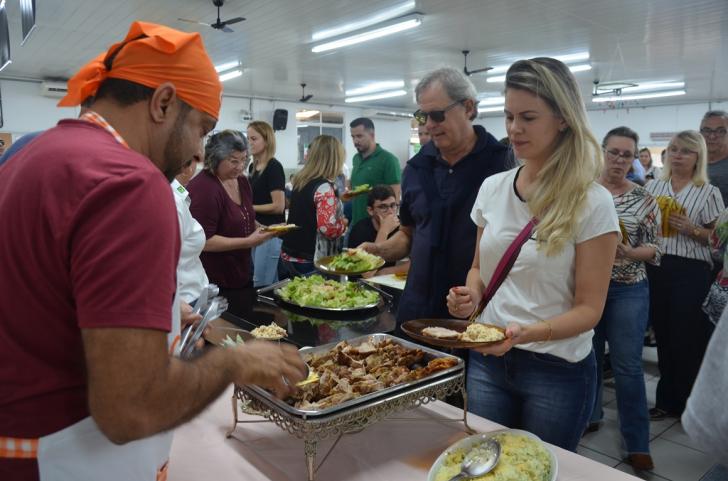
<point x="696" y="231"/>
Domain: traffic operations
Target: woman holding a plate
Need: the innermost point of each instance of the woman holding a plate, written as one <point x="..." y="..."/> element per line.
<point x="316" y="208"/>
<point x="679" y="286"/>
<point x="553" y="296"/>
<point x="222" y="204"/>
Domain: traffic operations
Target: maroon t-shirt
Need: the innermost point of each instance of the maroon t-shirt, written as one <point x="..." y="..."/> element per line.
<point x="216" y="212"/>
<point x="90" y="240"/>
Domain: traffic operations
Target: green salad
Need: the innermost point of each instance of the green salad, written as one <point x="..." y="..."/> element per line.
<point x="360" y="189"/>
<point x="318" y="292"/>
<point x="355" y="260"/>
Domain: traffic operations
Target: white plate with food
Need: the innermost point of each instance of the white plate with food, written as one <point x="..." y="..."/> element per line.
<point x="521" y="453"/>
<point x="273" y="332"/>
<point x="350" y="262"/>
<point x="280" y="228"/>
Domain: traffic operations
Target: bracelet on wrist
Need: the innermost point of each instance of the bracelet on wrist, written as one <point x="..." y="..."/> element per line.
<point x="551" y="332"/>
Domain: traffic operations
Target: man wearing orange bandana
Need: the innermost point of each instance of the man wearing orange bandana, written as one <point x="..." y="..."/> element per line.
<point x="89" y="312"/>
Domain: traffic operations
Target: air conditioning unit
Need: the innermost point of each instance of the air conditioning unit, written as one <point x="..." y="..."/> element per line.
<point x="245" y="116"/>
<point x="53" y="89"/>
<point x="386" y="114"/>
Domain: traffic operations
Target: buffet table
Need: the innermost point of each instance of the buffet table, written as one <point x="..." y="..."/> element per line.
<point x="391" y="450"/>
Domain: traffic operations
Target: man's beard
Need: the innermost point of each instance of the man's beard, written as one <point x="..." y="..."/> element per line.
<point x="173" y="156"/>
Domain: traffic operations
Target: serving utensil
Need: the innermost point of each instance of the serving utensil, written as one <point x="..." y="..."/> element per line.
<point x="480" y="460"/>
<point x="217" y="307"/>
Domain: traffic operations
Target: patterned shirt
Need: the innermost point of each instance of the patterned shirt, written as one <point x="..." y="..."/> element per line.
<point x="329" y="223"/>
<point x="639" y="213"/>
<point x="718" y="243"/>
<point x="702" y="206"/>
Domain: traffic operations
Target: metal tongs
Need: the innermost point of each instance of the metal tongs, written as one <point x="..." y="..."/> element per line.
<point x="212" y="309"/>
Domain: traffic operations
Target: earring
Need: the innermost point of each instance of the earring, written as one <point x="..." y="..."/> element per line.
<point x="563" y="129"/>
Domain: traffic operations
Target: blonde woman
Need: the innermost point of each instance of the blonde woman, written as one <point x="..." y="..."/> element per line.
<point x="316" y="207"/>
<point x="679" y="286"/>
<point x="269" y="198"/>
<point x="542" y="378"/>
<point x="651" y="171"/>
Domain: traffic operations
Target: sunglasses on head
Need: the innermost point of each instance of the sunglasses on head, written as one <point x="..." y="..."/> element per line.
<point x="436" y="115"/>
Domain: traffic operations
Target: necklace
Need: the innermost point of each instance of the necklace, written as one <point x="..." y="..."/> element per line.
<point x="244" y="212"/>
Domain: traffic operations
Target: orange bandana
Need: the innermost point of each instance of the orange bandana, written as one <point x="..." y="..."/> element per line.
<point x="165" y="55"/>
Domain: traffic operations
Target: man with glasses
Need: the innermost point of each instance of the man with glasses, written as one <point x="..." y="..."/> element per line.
<point x="713" y="127"/>
<point x="372" y="165"/>
<point x="383" y="207"/>
<point x="439" y="186"/>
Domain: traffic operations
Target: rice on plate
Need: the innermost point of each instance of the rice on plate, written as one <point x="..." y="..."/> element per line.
<point x="523" y="458"/>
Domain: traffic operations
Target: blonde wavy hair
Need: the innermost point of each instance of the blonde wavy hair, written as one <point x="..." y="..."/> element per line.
<point x="326" y="156"/>
<point x="691" y="140"/>
<point x="561" y="188"/>
<point x="269" y="135"/>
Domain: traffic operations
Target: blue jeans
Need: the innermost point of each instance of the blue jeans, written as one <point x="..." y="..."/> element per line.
<point x="623" y="325"/>
<point x="265" y="262"/>
<point x="540" y="393"/>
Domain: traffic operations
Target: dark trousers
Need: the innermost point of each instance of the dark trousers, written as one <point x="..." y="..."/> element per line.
<point x="677" y="290"/>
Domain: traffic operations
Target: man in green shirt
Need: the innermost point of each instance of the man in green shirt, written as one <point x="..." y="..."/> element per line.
<point x="372" y="165"/>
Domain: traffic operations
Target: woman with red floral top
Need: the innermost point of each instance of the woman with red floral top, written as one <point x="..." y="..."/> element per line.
<point x="316" y="208"/>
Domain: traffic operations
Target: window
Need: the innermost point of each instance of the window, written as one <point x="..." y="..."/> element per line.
<point x="312" y="123"/>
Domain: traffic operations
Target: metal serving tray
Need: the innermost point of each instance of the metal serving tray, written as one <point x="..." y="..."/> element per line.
<point x="269" y="293"/>
<point x="430" y="354"/>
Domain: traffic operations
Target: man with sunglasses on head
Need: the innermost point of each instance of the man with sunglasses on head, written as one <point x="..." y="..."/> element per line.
<point x="439" y="186"/>
<point x="372" y="165"/>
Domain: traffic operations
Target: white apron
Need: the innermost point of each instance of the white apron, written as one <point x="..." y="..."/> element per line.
<point x="81" y="452"/>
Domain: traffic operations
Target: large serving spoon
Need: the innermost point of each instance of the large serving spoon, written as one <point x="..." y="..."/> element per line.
<point x="480" y="460"/>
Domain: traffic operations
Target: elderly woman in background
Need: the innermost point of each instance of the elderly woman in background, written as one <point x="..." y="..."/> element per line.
<point x="651" y="171"/>
<point x="222" y="204"/>
<point x="316" y="208"/>
<point x="541" y="379"/>
<point x="679" y="286"/>
<point x="269" y="198"/>
<point x="625" y="315"/>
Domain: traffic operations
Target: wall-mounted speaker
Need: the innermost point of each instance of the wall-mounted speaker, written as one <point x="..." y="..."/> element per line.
<point x="280" y="119"/>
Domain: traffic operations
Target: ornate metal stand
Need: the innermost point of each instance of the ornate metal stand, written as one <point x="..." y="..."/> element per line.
<point x="314" y="429"/>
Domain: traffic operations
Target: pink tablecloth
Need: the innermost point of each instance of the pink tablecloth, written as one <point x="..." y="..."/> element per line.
<point x="400" y="451"/>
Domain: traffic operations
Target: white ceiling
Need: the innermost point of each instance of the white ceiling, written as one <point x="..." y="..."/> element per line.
<point x="659" y="40"/>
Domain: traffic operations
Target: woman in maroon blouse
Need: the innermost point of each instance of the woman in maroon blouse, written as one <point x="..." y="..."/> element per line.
<point x="222" y="204"/>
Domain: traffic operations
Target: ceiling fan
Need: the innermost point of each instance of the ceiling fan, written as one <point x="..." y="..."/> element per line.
<point x="218" y="25"/>
<point x="471" y="72"/>
<point x="304" y="97"/>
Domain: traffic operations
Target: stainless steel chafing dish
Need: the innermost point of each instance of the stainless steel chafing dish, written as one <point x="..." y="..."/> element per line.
<point x="356" y="414"/>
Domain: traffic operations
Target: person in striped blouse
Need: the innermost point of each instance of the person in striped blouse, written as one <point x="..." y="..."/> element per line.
<point x="679" y="286"/>
<point x="624" y="319"/>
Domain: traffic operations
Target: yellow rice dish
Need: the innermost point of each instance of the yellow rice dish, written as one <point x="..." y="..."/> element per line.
<point x="477" y="332"/>
<point x="522" y="459"/>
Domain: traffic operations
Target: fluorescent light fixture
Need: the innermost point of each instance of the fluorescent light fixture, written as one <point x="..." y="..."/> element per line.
<point x="575" y="68"/>
<point x="490" y="109"/>
<point x="5" y="65"/>
<point x="383" y="95"/>
<point x="638" y="97"/>
<point x="351" y="27"/>
<point x="305" y="114"/>
<point x="380" y="30"/>
<point x="226" y="66"/>
<point x="230" y="75"/>
<point x="492" y="101"/>
<point x="27" y="14"/>
<point x="397" y="84"/>
<point x="563" y="58"/>
<point x="655" y="86"/>
<point x="580" y="68"/>
<point x="573" y="57"/>
<point x="301" y="125"/>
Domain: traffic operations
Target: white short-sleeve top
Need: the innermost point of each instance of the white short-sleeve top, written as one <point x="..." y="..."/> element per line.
<point x="191" y="277"/>
<point x="537" y="287"/>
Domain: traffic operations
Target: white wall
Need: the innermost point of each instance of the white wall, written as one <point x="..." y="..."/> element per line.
<point x="25" y="110"/>
<point x="643" y="120"/>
